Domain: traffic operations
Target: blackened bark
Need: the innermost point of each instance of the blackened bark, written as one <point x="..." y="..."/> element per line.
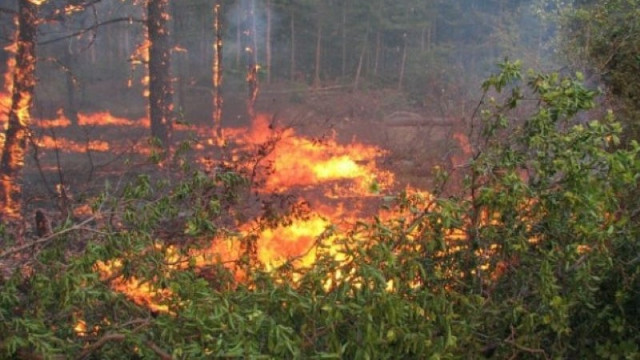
<point x="160" y="90"/>
<point x="24" y="81"/>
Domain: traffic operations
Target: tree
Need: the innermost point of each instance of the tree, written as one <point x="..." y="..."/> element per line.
<point x="15" y="144"/>
<point x="217" y="74"/>
<point x="160" y="88"/>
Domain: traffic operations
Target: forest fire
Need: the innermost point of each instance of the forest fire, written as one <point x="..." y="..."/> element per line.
<point x="334" y="179"/>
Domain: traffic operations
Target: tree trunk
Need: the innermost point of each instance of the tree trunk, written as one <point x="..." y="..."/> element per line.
<point x="292" y="69"/>
<point x="403" y="62"/>
<point x="254" y="32"/>
<point x="160" y="93"/>
<point x="217" y="76"/>
<point x="376" y="61"/>
<point x="361" y="60"/>
<point x="318" y="60"/>
<point x="268" y="42"/>
<point x="239" y="39"/>
<point x="71" y="108"/>
<point x="24" y="81"/>
<point x="429" y="36"/>
<point x="344" y="38"/>
<point x="180" y="61"/>
<point x="249" y="44"/>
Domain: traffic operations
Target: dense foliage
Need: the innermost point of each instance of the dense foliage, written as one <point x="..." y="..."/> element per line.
<point x="537" y="257"/>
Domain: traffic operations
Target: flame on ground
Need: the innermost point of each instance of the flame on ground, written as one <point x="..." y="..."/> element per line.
<point x="297" y="161"/>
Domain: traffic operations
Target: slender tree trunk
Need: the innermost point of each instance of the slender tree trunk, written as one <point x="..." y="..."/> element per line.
<point x="179" y="59"/>
<point x="254" y="32"/>
<point x="429" y="30"/>
<point x="24" y="81"/>
<point x="403" y="62"/>
<point x="318" y="60"/>
<point x="71" y="108"/>
<point x="268" y="42"/>
<point x="239" y="38"/>
<point x="361" y="60"/>
<point x="344" y="38"/>
<point x="217" y="75"/>
<point x="249" y="44"/>
<point x="160" y="92"/>
<point x="292" y="61"/>
<point x="376" y="61"/>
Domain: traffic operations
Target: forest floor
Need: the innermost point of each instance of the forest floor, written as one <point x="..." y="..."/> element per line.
<point x="74" y="163"/>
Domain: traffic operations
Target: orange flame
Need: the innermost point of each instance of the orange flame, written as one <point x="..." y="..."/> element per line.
<point x="300" y="161"/>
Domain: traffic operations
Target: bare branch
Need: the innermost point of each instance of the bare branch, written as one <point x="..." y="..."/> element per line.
<point x="17" y="249"/>
<point x="92" y="28"/>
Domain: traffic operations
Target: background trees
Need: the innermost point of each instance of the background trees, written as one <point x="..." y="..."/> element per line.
<point x="602" y="39"/>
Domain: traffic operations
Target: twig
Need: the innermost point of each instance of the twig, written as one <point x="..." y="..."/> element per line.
<point x="17" y="249"/>
<point x="91" y="28"/>
<point x="98" y="344"/>
<point x="510" y="340"/>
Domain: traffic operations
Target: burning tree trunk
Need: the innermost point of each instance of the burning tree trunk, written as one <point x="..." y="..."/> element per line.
<point x="160" y="92"/>
<point x="217" y="76"/>
<point x="24" y="81"/>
